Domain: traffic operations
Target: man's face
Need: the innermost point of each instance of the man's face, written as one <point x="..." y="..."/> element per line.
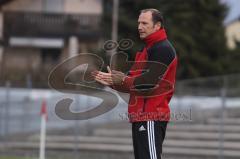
<point x="145" y="25"/>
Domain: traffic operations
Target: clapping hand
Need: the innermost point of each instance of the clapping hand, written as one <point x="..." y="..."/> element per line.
<point x="111" y="78"/>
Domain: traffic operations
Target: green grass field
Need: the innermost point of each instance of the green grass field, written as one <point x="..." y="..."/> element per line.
<point x="16" y="157"/>
<point x="11" y="157"/>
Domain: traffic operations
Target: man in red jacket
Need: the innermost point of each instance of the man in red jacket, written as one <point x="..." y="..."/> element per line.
<point x="150" y="83"/>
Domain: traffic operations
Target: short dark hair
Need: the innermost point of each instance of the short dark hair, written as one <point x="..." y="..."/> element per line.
<point x="156" y="15"/>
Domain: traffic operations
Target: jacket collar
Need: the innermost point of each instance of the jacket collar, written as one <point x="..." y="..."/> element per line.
<point x="155" y="37"/>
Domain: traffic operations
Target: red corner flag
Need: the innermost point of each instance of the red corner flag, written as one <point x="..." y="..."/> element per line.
<point x="44" y="109"/>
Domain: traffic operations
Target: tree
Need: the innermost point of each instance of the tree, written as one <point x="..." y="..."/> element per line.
<point x="195" y="27"/>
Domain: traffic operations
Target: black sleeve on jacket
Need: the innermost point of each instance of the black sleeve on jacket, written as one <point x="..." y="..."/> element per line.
<point x="160" y="56"/>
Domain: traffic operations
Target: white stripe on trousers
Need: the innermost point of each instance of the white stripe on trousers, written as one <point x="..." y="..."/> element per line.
<point x="153" y="136"/>
<point x="151" y="139"/>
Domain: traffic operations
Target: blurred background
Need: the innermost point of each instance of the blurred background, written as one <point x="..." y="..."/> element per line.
<point x="37" y="35"/>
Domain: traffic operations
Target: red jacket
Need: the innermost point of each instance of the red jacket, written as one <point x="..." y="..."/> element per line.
<point x="151" y="80"/>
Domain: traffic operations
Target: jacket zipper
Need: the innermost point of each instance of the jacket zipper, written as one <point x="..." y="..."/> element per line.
<point x="144" y="104"/>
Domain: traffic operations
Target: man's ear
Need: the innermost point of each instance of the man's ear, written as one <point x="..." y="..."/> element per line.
<point x="157" y="25"/>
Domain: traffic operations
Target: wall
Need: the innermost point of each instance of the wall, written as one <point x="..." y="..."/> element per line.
<point x="233" y="33"/>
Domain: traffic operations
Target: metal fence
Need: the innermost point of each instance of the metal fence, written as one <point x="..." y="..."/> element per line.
<point x="212" y="100"/>
<point x="30" y="24"/>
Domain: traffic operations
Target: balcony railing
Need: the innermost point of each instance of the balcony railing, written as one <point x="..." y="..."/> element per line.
<point x="38" y="24"/>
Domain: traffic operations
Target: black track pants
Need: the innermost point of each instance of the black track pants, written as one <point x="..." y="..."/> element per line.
<point x="148" y="138"/>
